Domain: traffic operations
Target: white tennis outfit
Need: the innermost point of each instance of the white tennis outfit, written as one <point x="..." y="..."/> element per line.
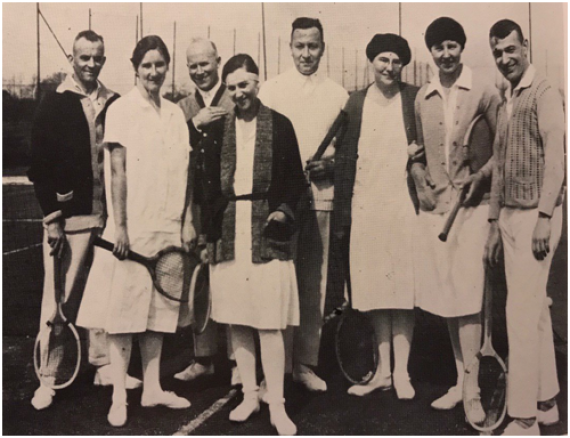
<point x="383" y="216"/>
<point x="258" y="295"/>
<point x="120" y="296"/>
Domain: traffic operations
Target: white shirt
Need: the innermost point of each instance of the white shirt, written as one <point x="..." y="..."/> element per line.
<point x="465" y="81"/>
<point x="525" y="82"/>
<point x="209" y="95"/>
<point x="312" y="104"/>
<point x="157" y="146"/>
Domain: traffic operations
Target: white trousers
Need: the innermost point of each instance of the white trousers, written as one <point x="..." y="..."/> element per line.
<point x="532" y="365"/>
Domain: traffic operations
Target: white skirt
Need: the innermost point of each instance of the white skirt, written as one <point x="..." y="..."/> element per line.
<point x="259" y="295"/>
<point x="120" y="296"/>
<point x="451" y="274"/>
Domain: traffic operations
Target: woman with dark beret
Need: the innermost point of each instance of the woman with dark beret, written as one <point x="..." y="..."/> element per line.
<point x="373" y="205"/>
<point x="452" y="274"/>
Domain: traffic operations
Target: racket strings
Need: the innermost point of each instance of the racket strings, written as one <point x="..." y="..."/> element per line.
<point x="58" y="355"/>
<point x="173" y="274"/>
<point x="356" y="347"/>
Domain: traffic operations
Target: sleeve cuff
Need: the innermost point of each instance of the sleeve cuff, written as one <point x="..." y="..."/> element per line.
<point x="51" y="218"/>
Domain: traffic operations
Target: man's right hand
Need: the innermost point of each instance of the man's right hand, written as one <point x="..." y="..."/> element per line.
<point x="56" y="239"/>
<point x="494" y="245"/>
<point x="208" y="115"/>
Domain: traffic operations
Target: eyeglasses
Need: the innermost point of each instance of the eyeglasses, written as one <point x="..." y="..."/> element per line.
<point x="241" y="85"/>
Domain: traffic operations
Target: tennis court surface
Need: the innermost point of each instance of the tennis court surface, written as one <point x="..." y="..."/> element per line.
<point x="82" y="408"/>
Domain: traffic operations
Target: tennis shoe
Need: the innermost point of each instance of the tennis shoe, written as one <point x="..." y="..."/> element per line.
<point x="195" y="370"/>
<point x="517" y="429"/>
<point x="449" y="400"/>
<point x="476" y="411"/>
<point x="404" y="388"/>
<point x="248" y="407"/>
<point x="236" y="377"/>
<point x="377" y="382"/>
<point x="117" y="416"/>
<point x="43" y="398"/>
<point x="164" y="398"/>
<point x="280" y="420"/>
<point x="309" y="380"/>
<point x="549" y="417"/>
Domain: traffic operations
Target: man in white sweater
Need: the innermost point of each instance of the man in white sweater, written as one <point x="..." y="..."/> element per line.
<point x="312" y="102"/>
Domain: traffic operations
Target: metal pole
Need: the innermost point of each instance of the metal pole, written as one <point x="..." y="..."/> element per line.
<point x="264" y="41"/>
<point x="141" y="14"/>
<point x="234" y="40"/>
<point x="278" y="55"/>
<point x="208" y="32"/>
<point x="415" y="69"/>
<point x="530" y="31"/>
<point x="258" y="48"/>
<point x="356" y="70"/>
<point x="136" y="38"/>
<point x="400" y="18"/>
<point x="38" y="86"/>
<point x="342" y="68"/>
<point x="174" y="61"/>
<point x="89" y="18"/>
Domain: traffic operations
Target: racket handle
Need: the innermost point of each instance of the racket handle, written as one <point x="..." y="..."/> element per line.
<point x="452" y="215"/>
<point x="102" y="243"/>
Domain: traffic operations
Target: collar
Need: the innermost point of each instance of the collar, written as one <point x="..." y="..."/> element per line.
<point x="212" y="92"/>
<point x="302" y="79"/>
<point x="525" y="82"/>
<point x="465" y="81"/>
<point x="136" y="96"/>
<point x="70" y="84"/>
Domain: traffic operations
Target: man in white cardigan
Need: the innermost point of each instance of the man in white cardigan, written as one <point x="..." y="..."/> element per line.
<point x="312" y="102"/>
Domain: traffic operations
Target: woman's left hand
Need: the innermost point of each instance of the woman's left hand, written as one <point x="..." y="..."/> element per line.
<point x="188" y="238"/>
<point x="278" y="216"/>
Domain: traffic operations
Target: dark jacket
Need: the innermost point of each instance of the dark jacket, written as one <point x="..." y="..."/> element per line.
<point x="278" y="182"/>
<point x="61" y="154"/>
<point x="346" y="154"/>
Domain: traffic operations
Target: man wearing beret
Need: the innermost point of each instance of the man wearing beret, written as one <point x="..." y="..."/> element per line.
<point x="312" y="102"/>
<point x="526" y="218"/>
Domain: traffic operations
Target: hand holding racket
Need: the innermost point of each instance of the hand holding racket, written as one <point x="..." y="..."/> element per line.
<point x="171" y="269"/>
<point x="453" y="214"/>
<point x="484" y="387"/>
<point x="57" y="350"/>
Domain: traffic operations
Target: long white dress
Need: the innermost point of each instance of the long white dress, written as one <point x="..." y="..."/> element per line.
<point x="119" y="296"/>
<point x="383" y="216"/>
<point x="258" y="295"/>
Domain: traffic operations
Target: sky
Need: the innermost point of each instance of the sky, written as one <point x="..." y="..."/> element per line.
<point x="347" y="26"/>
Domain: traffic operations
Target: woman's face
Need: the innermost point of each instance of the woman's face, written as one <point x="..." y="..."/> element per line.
<point x="387" y="68"/>
<point x="447" y="56"/>
<point x="152" y="71"/>
<point x="243" y="88"/>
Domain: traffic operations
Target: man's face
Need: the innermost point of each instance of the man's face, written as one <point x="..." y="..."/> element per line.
<point x="87" y="61"/>
<point x="307" y="48"/>
<point x="510" y="56"/>
<point x="203" y="65"/>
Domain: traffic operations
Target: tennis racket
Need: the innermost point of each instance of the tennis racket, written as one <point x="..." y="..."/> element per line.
<point x="200" y="298"/>
<point x="171" y="269"/>
<point x="57" y="350"/>
<point x="477" y="150"/>
<point x="484" y="387"/>
<point x="355" y="341"/>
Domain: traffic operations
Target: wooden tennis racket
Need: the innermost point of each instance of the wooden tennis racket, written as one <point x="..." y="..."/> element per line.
<point x="57" y="349"/>
<point x="200" y="298"/>
<point x="484" y="387"/>
<point x="171" y="269"/>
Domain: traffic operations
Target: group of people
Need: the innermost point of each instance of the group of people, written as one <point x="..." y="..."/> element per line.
<point x="229" y="172"/>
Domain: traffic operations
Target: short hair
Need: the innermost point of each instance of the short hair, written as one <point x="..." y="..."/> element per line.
<point x="445" y="29"/>
<point x="201" y="40"/>
<point x="89" y="35"/>
<point x="502" y="29"/>
<point x="307" y="23"/>
<point x="150" y="42"/>
<point x="241" y="60"/>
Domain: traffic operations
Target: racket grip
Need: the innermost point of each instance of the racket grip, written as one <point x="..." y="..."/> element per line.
<point x="449" y="222"/>
<point x="102" y="243"/>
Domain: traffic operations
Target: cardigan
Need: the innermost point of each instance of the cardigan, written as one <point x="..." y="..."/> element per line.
<point x="346" y="154"/>
<point x="529" y="170"/>
<point x="61" y="155"/>
<point x="278" y="183"/>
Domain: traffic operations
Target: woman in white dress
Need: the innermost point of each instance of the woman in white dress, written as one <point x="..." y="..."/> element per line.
<point x="147" y="155"/>
<point x="254" y="287"/>
<point x="372" y="196"/>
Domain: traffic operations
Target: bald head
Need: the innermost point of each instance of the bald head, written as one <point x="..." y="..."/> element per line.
<point x="203" y="62"/>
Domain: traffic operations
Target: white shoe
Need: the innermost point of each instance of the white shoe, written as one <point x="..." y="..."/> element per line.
<point x="309" y="379"/>
<point x="476" y="412"/>
<point x="516" y="429"/>
<point x="248" y="407"/>
<point x="103" y="377"/>
<point x="195" y="370"/>
<point x="164" y="398"/>
<point x="236" y="378"/>
<point x="404" y="388"/>
<point x="43" y="398"/>
<point x="550" y="417"/>
<point x="117" y="416"/>
<point x="280" y="420"/>
<point x="449" y="400"/>
<point x="377" y="382"/>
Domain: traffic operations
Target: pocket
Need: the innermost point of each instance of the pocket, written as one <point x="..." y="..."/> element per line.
<point x="524" y="189"/>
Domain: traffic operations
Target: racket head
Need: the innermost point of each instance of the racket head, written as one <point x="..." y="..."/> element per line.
<point x="484" y="392"/>
<point x="172" y="270"/>
<point x="57" y="354"/>
<point x="355" y="347"/>
<point x="200" y="298"/>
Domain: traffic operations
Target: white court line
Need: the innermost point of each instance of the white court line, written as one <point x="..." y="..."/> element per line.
<point x="22" y="249"/>
<point x="203" y="417"/>
<point x="22" y="220"/>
